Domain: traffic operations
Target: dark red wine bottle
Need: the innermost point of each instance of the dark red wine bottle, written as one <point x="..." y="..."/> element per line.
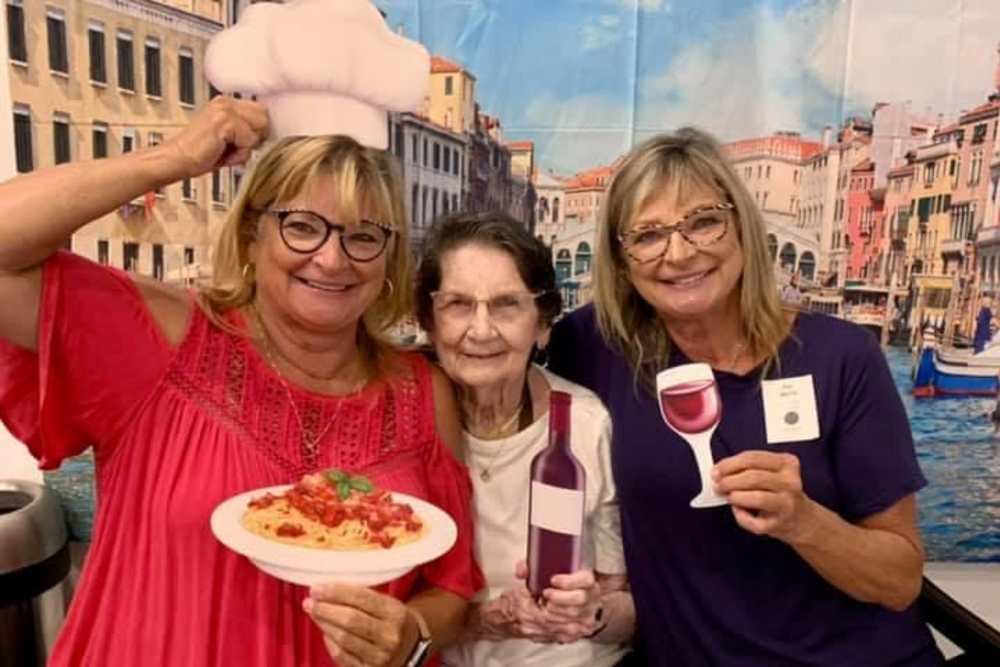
<point x="556" y="501"/>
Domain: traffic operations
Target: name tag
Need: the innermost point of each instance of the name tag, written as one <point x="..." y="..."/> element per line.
<point x="790" y="409"/>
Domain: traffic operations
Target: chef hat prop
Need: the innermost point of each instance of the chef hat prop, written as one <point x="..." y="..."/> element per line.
<point x="321" y="67"/>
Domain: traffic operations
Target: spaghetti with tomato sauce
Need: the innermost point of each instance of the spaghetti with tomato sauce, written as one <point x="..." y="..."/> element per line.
<point x="332" y="510"/>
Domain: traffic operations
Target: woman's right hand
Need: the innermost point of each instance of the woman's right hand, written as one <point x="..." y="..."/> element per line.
<point x="222" y="134"/>
<point x="513" y="615"/>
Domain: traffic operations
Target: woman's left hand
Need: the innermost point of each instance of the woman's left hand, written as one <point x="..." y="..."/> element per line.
<point x="362" y="628"/>
<point x="570" y="606"/>
<point x="765" y="491"/>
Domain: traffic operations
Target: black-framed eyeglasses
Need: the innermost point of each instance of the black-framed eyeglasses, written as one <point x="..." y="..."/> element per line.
<point x="701" y="227"/>
<point x="305" y="232"/>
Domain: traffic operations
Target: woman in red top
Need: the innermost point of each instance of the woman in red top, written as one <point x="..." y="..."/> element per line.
<point x="277" y="370"/>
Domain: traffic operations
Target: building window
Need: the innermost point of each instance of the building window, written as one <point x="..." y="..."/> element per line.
<point x="447" y="85"/>
<point x="582" y="261"/>
<point x="416" y="158"/>
<point x="55" y="22"/>
<point x="413" y="205"/>
<point x="447" y="159"/>
<point x="426" y="152"/>
<point x="976" y="168"/>
<point x="99" y="139"/>
<point x="188" y="256"/>
<point x="237" y="180"/>
<point x="130" y="256"/>
<point x="186" y="68"/>
<point x="456" y="163"/>
<point x="17" y="46"/>
<point x="454" y="202"/>
<point x="158" y="261"/>
<point x="22" y="139"/>
<point x="399" y="144"/>
<point x="60" y="137"/>
<point x="437" y="155"/>
<point x="153" y="86"/>
<point x="128" y="141"/>
<point x="126" y="73"/>
<point x="187" y="190"/>
<point x="979" y="133"/>
<point x="102" y="251"/>
<point x="98" y="67"/>
<point x="217" y="187"/>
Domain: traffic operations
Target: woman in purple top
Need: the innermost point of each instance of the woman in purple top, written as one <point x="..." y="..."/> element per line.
<point x="817" y="559"/>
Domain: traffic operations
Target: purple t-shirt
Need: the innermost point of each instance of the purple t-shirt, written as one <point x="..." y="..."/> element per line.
<point x="708" y="592"/>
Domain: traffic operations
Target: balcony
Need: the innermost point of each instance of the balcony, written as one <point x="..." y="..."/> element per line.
<point x="988" y="236"/>
<point x="953" y="248"/>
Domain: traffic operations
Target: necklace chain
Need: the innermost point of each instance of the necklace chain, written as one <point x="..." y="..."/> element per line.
<point x="310" y="445"/>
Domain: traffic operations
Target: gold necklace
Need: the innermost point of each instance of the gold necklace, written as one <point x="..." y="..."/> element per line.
<point x="309" y="445"/>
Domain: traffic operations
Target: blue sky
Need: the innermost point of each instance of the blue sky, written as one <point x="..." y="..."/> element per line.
<point x="585" y="79"/>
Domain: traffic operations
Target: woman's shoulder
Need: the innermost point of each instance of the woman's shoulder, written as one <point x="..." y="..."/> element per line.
<point x="831" y="335"/>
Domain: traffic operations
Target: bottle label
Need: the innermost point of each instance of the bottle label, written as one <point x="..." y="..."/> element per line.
<point x="557" y="509"/>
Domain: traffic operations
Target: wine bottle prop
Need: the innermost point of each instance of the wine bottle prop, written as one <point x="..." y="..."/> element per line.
<point x="555" y="519"/>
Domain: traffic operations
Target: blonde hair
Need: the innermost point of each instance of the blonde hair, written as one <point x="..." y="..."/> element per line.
<point x="684" y="160"/>
<point x="363" y="178"/>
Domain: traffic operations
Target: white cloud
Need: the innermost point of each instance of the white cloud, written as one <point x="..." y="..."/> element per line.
<point x="761" y="71"/>
<point x="575" y="133"/>
<point x="940" y="54"/>
<point x="600" y="33"/>
<point x="745" y="79"/>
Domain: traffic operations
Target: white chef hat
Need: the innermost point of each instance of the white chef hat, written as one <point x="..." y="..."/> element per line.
<point x="321" y="67"/>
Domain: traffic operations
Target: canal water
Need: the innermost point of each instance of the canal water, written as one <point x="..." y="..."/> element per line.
<point x="960" y="507"/>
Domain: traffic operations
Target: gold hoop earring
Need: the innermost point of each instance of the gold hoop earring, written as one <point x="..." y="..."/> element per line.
<point x="392" y="288"/>
<point x="247" y="270"/>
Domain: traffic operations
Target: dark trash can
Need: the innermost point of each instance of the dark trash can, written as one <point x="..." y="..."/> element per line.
<point x="34" y="557"/>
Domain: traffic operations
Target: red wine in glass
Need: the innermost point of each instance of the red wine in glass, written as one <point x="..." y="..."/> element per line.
<point x="556" y="502"/>
<point x="691" y="407"/>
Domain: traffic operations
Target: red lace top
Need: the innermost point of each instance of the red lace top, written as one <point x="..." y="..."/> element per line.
<point x="175" y="431"/>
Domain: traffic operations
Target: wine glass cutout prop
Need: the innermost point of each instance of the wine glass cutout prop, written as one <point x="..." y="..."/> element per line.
<point x="691" y="407"/>
<point x="555" y="518"/>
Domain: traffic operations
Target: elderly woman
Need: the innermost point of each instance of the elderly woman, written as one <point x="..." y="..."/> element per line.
<point x="486" y="296"/>
<point x="277" y="370"/>
<point x="817" y="559"/>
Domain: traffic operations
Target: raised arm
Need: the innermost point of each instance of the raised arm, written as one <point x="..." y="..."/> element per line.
<point x="34" y="223"/>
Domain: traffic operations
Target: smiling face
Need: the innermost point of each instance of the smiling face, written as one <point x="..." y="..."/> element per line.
<point x="481" y="351"/>
<point x="688" y="282"/>
<point x="322" y="291"/>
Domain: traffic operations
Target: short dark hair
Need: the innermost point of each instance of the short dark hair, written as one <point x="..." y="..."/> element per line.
<point x="496" y="230"/>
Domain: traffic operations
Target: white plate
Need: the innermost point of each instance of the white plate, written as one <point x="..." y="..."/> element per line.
<point x="307" y="566"/>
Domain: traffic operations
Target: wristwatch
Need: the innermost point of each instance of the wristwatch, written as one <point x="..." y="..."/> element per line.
<point x="422" y="649"/>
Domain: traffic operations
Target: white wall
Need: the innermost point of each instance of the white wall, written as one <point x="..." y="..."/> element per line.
<point x="14" y="458"/>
